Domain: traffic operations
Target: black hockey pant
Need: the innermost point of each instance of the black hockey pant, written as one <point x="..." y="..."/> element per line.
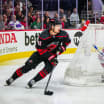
<point x="32" y="62"/>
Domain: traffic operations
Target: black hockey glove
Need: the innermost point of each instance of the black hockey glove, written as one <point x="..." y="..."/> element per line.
<point x="60" y="50"/>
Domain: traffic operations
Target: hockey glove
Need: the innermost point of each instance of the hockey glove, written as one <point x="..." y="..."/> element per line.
<point x="61" y="49"/>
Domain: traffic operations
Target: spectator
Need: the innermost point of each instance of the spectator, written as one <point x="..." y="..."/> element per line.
<point x="46" y="15"/>
<point x="23" y="22"/>
<point x="34" y="17"/>
<point x="68" y="14"/>
<point x="5" y="20"/>
<point x="89" y="5"/>
<point x="10" y="5"/>
<point x="64" y="22"/>
<point x="24" y="10"/>
<point x="74" y="18"/>
<point x="68" y="17"/>
<point x="46" y="23"/>
<point x="96" y="18"/>
<point x="62" y="14"/>
<point x="14" y="24"/>
<point x="8" y="13"/>
<point x="2" y="26"/>
<point x="4" y="6"/>
<point x="56" y="16"/>
<point x="30" y="19"/>
<point x="37" y="14"/>
<point x="31" y="10"/>
<point x="17" y="9"/>
<point x="19" y="16"/>
<point x="29" y="3"/>
<point x="20" y="4"/>
<point x="36" y="24"/>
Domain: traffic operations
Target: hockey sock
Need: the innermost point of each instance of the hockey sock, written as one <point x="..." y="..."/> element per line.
<point x="38" y="78"/>
<point x="34" y="80"/>
<point x="42" y="74"/>
<point x="17" y="74"/>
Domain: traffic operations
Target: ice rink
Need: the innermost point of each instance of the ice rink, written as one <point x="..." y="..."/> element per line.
<point x="63" y="94"/>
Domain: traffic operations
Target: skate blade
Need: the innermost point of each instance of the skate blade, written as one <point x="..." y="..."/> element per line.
<point x="6" y="85"/>
<point x="27" y="87"/>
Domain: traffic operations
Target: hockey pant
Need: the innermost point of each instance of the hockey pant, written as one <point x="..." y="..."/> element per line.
<point x="32" y="62"/>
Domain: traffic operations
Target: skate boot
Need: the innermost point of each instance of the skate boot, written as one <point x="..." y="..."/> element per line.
<point x="30" y="83"/>
<point x="9" y="81"/>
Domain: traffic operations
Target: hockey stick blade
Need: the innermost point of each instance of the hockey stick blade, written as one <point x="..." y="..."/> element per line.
<point x="96" y="48"/>
<point x="48" y="93"/>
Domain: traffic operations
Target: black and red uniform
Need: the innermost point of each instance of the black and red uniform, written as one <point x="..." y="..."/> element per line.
<point x="48" y="47"/>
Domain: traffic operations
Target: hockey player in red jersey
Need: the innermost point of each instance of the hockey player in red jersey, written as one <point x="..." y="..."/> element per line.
<point x="51" y="43"/>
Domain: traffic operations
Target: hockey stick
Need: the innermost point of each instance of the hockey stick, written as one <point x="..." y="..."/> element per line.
<point x="47" y="92"/>
<point x="101" y="53"/>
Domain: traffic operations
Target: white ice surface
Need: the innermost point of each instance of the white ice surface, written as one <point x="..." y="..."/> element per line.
<point x="63" y="94"/>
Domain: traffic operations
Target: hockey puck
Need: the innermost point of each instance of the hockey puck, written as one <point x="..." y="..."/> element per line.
<point x="48" y="93"/>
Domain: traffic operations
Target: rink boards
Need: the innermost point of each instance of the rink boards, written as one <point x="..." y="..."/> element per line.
<point x="21" y="44"/>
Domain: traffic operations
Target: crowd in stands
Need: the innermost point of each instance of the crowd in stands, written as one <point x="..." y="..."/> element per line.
<point x="15" y="18"/>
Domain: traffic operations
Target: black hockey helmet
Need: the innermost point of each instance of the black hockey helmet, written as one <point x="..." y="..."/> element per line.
<point x="55" y="22"/>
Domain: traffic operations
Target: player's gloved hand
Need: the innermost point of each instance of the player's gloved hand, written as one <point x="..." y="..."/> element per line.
<point x="60" y="50"/>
